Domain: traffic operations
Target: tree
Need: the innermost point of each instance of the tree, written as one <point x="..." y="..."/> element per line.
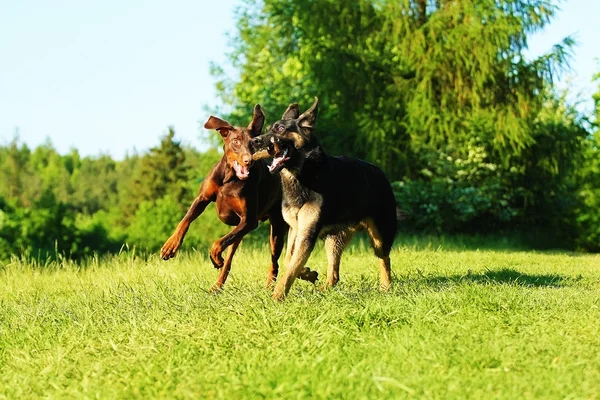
<point x="397" y="78"/>
<point x="95" y="184"/>
<point x="20" y="183"/>
<point x="161" y="172"/>
<point x="587" y="215"/>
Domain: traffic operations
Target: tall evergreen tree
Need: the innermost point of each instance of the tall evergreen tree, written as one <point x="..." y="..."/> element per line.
<point x="162" y="171"/>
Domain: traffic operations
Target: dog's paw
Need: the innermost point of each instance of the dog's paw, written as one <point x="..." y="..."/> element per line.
<point x="278" y="295"/>
<point x="169" y="249"/>
<point x="215" y="289"/>
<point x="215" y="256"/>
<point x="270" y="282"/>
<point x="217" y="261"/>
<point x="310" y="276"/>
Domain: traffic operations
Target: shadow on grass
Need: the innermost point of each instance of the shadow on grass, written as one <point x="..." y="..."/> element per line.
<point x="505" y="276"/>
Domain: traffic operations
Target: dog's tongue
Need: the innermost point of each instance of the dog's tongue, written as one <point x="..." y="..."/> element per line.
<point x="241" y="171"/>
<point x="277" y="161"/>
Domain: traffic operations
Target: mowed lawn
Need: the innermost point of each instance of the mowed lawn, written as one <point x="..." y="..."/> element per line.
<point x="456" y="324"/>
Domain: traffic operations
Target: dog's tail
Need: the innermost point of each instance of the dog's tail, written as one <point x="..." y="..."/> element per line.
<point x="402" y="215"/>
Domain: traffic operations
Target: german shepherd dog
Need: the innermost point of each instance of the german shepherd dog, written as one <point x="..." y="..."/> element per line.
<point x="244" y="193"/>
<point x="326" y="197"/>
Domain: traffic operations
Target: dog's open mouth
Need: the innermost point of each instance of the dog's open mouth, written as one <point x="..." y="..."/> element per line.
<point x="241" y="171"/>
<point x="279" y="160"/>
<point x="279" y="153"/>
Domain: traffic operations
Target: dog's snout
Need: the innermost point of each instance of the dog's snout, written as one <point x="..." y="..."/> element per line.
<point x="246" y="159"/>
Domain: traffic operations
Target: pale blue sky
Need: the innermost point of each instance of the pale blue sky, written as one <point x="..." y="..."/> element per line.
<point x="110" y="76"/>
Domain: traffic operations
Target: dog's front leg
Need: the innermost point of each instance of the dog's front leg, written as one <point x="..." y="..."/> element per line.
<point x="226" y="268"/>
<point x="236" y="235"/>
<point x="174" y="242"/>
<point x="305" y="273"/>
<point x="305" y="237"/>
<point x="303" y="246"/>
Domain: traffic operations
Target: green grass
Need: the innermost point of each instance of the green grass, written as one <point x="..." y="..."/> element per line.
<point x="456" y="324"/>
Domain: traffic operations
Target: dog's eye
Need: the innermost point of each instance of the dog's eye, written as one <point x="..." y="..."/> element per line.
<point x="280" y="128"/>
<point x="236" y="142"/>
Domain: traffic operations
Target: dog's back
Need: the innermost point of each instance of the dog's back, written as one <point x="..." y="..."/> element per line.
<point x="352" y="190"/>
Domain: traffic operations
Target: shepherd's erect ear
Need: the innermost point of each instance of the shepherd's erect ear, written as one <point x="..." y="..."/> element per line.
<point x="308" y="119"/>
<point x="218" y="124"/>
<point x="258" y="120"/>
<point x="292" y="112"/>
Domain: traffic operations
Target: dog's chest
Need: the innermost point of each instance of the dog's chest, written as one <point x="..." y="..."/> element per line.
<point x="297" y="197"/>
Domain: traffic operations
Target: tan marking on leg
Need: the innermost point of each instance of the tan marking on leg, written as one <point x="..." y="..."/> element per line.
<point x="334" y="246"/>
<point x="385" y="267"/>
<point x="374" y="234"/>
<point x="290" y="245"/>
<point x="385" y="273"/>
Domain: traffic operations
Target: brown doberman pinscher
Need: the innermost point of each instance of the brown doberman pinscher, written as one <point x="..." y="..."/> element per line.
<point x="245" y="193"/>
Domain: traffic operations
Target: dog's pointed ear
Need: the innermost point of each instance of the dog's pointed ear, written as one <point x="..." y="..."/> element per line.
<point x="308" y="119"/>
<point x="258" y="120"/>
<point x="223" y="127"/>
<point x="292" y="112"/>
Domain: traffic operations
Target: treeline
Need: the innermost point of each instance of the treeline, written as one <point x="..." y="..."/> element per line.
<point x="54" y="205"/>
<point x="473" y="135"/>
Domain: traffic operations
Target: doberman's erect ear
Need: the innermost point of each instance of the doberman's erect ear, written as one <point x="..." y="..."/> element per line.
<point x="308" y="119"/>
<point x="218" y="124"/>
<point x="292" y="112"/>
<point x="258" y="120"/>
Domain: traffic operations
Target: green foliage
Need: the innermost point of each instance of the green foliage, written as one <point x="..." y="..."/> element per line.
<point x="588" y="217"/>
<point x="94" y="185"/>
<point x="418" y="86"/>
<point x="55" y="206"/>
<point x="456" y="324"/>
<point x="19" y="181"/>
<point x="438" y="93"/>
<point x="48" y="229"/>
<point x="467" y="189"/>
<point x="161" y="172"/>
<point x="395" y="77"/>
<point x="550" y="170"/>
<point x="456" y="194"/>
<point x="154" y="222"/>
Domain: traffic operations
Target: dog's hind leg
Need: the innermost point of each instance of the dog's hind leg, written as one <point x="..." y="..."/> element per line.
<point x="224" y="272"/>
<point x="290" y="245"/>
<point x="382" y="246"/>
<point x="385" y="273"/>
<point x="334" y="246"/>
